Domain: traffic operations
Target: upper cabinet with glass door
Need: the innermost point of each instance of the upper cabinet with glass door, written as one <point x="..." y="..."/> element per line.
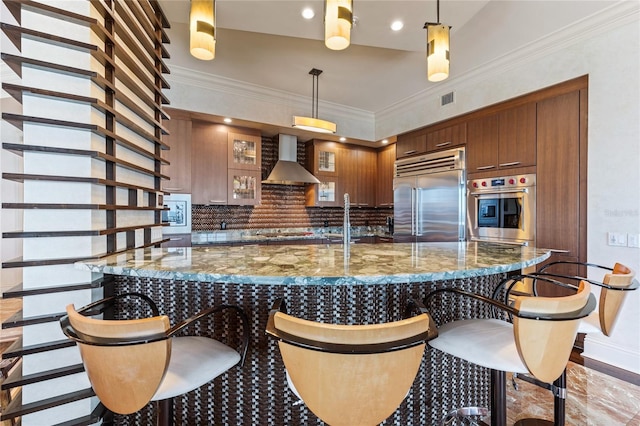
<point x="244" y="151"/>
<point x="322" y="158"/>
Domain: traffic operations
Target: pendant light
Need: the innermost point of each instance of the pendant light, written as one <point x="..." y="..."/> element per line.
<point x="338" y="19"/>
<point x="313" y="123"/>
<point x="202" y="22"/>
<point x="437" y="49"/>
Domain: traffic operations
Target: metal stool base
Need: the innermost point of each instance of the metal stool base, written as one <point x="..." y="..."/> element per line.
<point x="467" y="416"/>
<point x="533" y="422"/>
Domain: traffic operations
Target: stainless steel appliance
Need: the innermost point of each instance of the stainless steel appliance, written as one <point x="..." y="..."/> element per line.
<point x="502" y="209"/>
<point x="429" y="197"/>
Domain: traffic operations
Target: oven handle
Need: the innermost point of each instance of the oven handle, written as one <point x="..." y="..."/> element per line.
<point x="507" y="191"/>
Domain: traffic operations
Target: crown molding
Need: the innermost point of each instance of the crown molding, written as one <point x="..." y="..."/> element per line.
<point x="262" y="94"/>
<point x="620" y="13"/>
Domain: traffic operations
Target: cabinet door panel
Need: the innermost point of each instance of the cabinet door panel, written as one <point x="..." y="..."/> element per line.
<point x="244" y="187"/>
<point x="482" y="144"/>
<point x="558" y="172"/>
<point x="367" y="166"/>
<point x="517" y="136"/>
<point x="411" y="144"/>
<point x="384" y="187"/>
<point x="179" y="157"/>
<point x="209" y="163"/>
<point x="244" y="151"/>
<point x="447" y="137"/>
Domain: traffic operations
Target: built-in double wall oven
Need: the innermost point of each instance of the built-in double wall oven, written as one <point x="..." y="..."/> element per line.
<point x="502" y="209"/>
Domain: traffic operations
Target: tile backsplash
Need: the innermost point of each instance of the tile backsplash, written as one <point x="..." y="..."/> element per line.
<point x="283" y="206"/>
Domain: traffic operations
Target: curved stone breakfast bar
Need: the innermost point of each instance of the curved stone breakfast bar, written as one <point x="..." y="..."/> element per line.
<point x="318" y="282"/>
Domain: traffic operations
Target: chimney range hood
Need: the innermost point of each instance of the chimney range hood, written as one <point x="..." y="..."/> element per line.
<point x="287" y="171"/>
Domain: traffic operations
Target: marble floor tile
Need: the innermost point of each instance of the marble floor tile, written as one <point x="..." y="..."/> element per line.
<point x="593" y="399"/>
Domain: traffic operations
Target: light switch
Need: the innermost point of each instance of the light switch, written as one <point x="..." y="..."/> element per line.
<point x="617" y="239"/>
<point x="633" y="240"/>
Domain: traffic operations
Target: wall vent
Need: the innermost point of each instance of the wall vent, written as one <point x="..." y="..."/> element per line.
<point x="447" y="99"/>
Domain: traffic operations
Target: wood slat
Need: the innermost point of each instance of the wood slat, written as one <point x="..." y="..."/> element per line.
<point x="18" y="121"/>
<point x="149" y="31"/>
<point x="19" y="290"/>
<point x="85" y="233"/>
<point x="16" y="379"/>
<point x="18" y="350"/>
<point x="15" y="35"/>
<point x="64" y="206"/>
<point x="17" y="409"/>
<point x="21" y="177"/>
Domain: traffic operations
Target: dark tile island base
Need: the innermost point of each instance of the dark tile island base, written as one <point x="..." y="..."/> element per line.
<point x="257" y="393"/>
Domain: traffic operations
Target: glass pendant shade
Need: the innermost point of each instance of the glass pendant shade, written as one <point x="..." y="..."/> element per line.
<point x="437" y="52"/>
<point x="314" y="124"/>
<point x="338" y="18"/>
<point x="202" y="41"/>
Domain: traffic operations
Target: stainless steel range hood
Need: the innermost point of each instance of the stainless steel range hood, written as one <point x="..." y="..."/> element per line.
<point x="287" y="171"/>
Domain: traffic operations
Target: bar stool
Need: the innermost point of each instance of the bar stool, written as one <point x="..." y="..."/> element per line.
<point x="616" y="284"/>
<point x="133" y="362"/>
<point x="538" y="341"/>
<point x="350" y="374"/>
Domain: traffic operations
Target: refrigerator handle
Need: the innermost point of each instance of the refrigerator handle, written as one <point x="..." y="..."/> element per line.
<point x="417" y="212"/>
<point x="413" y="211"/>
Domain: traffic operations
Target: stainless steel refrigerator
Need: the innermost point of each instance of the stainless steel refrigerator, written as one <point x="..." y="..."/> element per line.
<point x="429" y="197"/>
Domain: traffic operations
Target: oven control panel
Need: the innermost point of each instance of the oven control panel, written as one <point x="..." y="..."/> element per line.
<point x="503" y="183"/>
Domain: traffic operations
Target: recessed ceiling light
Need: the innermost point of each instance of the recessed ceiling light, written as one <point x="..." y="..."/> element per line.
<point x="385" y="141"/>
<point x="397" y="25"/>
<point x="342" y="139"/>
<point x="308" y="13"/>
<point x="228" y="120"/>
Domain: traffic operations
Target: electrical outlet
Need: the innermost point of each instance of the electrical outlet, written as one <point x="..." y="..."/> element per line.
<point x="633" y="240"/>
<point x="617" y="239"/>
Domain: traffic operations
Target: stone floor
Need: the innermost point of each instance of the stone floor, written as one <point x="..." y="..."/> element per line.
<point x="593" y="399"/>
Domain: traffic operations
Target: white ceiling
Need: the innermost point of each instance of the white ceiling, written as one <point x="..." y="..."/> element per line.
<point x="268" y="44"/>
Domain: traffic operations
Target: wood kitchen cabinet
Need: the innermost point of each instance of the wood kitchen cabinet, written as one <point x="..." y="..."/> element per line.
<point x="561" y="196"/>
<point x="482" y="144"/>
<point x="412" y="143"/>
<point x="357" y="170"/>
<point x="446" y="137"/>
<point x="179" y="156"/>
<point x="322" y="160"/>
<point x="322" y="157"/>
<point x="209" y="163"/>
<point x="244" y="187"/>
<point x="384" y="180"/>
<point x="502" y="141"/>
<point x="244" y="151"/>
<point x="517" y="136"/>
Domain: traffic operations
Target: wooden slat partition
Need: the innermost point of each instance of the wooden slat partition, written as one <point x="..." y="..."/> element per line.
<point x="117" y="201"/>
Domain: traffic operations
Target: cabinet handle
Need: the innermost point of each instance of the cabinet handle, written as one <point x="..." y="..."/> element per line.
<point x="485" y="167"/>
<point x="172" y="189"/>
<point x="217" y="201"/>
<point x="558" y="251"/>
<point x="409" y="152"/>
<point x="513" y="163"/>
<point x="443" y="144"/>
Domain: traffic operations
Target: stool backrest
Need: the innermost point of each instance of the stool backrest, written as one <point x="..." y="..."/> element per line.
<point x="124" y="377"/>
<point x="545" y="346"/>
<point x="352" y="388"/>
<point x="611" y="300"/>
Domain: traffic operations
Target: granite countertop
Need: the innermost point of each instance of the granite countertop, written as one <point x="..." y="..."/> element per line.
<point x="282" y="234"/>
<point x="386" y="263"/>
